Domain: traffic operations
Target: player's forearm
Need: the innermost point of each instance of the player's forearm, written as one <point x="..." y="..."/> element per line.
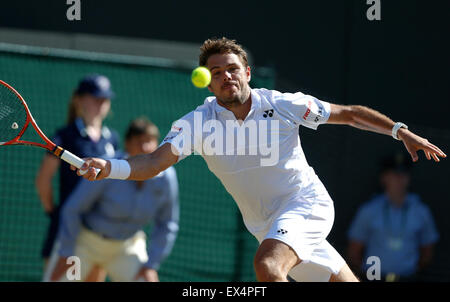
<point x="140" y="167"/>
<point x="149" y="165"/>
<point x="144" y="166"/>
<point x="368" y="119"/>
<point x="365" y="118"/>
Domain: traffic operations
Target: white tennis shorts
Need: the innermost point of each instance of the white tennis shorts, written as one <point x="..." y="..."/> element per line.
<point x="122" y="259"/>
<point x="305" y="231"/>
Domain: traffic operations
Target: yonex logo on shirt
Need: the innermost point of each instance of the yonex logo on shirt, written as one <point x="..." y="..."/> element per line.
<point x="268" y="113"/>
<point x="319" y="115"/>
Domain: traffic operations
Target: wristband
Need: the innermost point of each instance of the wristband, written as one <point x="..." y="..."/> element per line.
<point x="395" y="129"/>
<point x="120" y="169"/>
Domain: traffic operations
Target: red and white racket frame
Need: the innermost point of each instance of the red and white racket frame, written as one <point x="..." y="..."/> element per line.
<point x="49" y="145"/>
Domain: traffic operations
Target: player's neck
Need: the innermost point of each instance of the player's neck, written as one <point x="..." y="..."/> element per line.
<point x="239" y="110"/>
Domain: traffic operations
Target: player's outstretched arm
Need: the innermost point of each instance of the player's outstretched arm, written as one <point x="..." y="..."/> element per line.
<point x="140" y="167"/>
<point x="368" y="119"/>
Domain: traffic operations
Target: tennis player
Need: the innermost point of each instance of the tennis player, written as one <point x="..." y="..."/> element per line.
<point x="282" y="201"/>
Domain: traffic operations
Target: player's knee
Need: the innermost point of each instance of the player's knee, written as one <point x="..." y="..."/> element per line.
<point x="267" y="270"/>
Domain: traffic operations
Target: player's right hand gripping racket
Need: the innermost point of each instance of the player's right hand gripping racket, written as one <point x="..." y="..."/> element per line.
<point x="15" y="117"/>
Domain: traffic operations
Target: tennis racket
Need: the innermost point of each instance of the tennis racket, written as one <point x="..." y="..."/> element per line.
<point x="15" y="117"/>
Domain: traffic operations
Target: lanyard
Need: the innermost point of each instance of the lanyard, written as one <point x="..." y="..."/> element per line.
<point x="388" y="221"/>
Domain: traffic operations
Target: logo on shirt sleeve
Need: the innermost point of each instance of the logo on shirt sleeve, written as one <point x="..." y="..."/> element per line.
<point x="176" y="129"/>
<point x="319" y="114"/>
<point x="169" y="138"/>
<point x="308" y="111"/>
<point x="314" y="111"/>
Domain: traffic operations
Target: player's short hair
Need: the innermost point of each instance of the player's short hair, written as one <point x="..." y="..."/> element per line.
<point x="140" y="126"/>
<point x="223" y="45"/>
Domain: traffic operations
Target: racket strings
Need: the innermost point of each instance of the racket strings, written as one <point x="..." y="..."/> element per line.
<point x="12" y="115"/>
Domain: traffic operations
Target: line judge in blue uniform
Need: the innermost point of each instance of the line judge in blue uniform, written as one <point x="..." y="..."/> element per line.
<point x="395" y="226"/>
<point x="84" y="135"/>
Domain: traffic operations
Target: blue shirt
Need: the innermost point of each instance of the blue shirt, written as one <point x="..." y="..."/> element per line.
<point x="117" y="209"/>
<point x="394" y="234"/>
<point x="75" y="139"/>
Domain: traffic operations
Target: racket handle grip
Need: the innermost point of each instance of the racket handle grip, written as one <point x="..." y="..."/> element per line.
<point x="75" y="161"/>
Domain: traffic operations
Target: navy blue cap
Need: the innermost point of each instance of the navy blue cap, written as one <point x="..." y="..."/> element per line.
<point x="96" y="85"/>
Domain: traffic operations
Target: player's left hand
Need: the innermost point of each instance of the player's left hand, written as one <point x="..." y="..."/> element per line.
<point x="148" y="274"/>
<point x="414" y="143"/>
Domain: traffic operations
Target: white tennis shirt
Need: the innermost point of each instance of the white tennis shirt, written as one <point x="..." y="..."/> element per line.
<point x="260" y="162"/>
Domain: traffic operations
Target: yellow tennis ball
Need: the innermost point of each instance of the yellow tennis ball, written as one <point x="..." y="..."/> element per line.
<point x="201" y="77"/>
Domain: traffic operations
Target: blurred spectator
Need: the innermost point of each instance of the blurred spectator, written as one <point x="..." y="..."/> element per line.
<point x="395" y="226"/>
<point x="84" y="135"/>
<point x="102" y="222"/>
